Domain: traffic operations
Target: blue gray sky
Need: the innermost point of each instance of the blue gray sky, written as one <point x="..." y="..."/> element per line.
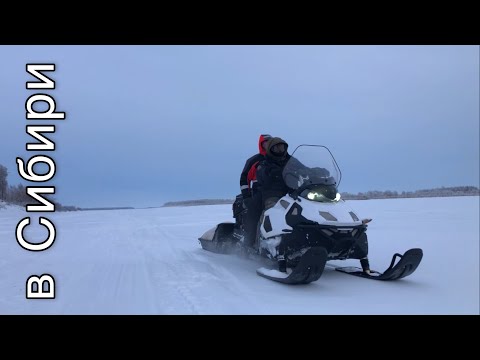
<point x="151" y="124"/>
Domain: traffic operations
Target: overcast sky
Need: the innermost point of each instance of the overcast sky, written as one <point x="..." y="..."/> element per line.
<point x="151" y="124"/>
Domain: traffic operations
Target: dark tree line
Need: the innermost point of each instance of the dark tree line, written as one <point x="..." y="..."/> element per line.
<point x="3" y="182"/>
<point x="17" y="194"/>
<point x="437" y="192"/>
<point x="198" y="202"/>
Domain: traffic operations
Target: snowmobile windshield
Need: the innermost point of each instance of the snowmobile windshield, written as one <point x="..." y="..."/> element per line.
<point x="313" y="170"/>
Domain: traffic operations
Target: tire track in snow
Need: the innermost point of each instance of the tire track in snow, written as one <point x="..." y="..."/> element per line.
<point x="164" y="275"/>
<point x="188" y="276"/>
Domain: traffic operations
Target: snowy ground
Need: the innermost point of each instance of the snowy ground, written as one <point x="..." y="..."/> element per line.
<point x="149" y="261"/>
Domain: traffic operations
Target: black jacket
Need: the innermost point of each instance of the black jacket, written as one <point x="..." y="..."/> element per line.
<point x="244" y="188"/>
<point x="244" y="176"/>
<point x="270" y="179"/>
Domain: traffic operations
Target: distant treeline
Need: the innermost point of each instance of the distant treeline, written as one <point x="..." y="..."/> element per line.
<point x="105" y="208"/>
<point x="438" y="192"/>
<point x="17" y="194"/>
<point x="198" y="202"/>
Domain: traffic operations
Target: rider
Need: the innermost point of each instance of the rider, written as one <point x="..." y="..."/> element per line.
<point x="251" y="197"/>
<point x="248" y="175"/>
<point x="269" y="172"/>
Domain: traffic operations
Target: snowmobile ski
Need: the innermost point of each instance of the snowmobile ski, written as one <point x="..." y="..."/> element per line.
<point x="408" y="263"/>
<point x="309" y="268"/>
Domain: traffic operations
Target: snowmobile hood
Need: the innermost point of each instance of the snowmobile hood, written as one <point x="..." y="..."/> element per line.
<point x="261" y="139"/>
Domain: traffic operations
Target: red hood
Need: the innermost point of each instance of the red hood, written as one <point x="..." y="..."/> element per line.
<point x="262" y="138"/>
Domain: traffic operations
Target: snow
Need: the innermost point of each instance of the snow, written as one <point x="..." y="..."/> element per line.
<point x="274" y="273"/>
<point x="149" y="261"/>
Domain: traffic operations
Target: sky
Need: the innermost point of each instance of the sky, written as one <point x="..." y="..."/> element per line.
<point x="150" y="124"/>
<point x="149" y="261"/>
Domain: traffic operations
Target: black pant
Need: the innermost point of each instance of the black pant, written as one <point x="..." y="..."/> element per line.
<point x="254" y="210"/>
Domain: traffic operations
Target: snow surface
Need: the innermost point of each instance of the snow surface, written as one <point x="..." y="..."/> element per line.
<point x="149" y="261"/>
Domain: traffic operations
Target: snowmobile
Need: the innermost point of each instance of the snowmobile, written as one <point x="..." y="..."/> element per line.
<point x="307" y="227"/>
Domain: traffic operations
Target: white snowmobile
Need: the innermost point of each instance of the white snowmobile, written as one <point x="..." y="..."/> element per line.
<point x="307" y="227"/>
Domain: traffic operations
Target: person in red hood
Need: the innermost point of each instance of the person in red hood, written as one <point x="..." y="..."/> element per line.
<point x="252" y="199"/>
<point x="248" y="176"/>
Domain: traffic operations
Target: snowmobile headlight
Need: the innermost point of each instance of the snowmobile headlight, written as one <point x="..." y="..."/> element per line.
<point x="321" y="193"/>
<point x="313" y="195"/>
